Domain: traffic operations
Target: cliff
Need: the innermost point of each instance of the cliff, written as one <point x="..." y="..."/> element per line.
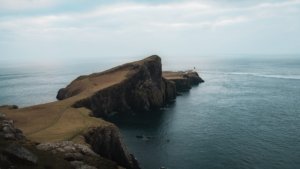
<point x="143" y="89"/>
<point x="135" y="87"/>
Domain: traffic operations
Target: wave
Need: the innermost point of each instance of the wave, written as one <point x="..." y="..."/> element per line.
<point x="293" y="77"/>
<point x="276" y="76"/>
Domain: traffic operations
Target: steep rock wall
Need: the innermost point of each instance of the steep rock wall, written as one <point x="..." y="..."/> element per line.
<point x="143" y="89"/>
<point x="106" y="141"/>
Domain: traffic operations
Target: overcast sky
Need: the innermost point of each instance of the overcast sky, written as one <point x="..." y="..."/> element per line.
<point x="64" y="29"/>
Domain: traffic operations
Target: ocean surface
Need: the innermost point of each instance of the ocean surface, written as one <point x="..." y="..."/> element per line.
<point x="245" y="116"/>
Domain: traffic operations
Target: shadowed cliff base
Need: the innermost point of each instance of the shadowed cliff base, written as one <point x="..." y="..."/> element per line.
<point x="135" y="87"/>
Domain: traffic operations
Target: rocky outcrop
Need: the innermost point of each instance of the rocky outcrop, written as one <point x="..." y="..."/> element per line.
<point x="8" y="131"/>
<point x="11" y="151"/>
<point x="16" y="152"/>
<point x="15" y="149"/>
<point x="184" y="80"/>
<point x="193" y="77"/>
<point x="79" y="155"/>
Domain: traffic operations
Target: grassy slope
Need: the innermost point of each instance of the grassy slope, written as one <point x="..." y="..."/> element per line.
<point x="59" y="120"/>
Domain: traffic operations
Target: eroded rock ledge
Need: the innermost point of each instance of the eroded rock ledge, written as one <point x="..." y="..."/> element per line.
<point x="135" y="87"/>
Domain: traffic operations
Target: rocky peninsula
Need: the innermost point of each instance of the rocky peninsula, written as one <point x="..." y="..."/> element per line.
<point x="73" y="131"/>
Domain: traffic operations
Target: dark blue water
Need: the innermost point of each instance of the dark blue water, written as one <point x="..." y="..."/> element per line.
<point x="245" y="116"/>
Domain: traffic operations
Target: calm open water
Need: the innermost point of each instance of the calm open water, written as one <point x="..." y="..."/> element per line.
<point x="245" y="116"/>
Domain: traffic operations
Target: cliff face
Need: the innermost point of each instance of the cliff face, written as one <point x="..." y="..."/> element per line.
<point x="106" y="142"/>
<point x="143" y="89"/>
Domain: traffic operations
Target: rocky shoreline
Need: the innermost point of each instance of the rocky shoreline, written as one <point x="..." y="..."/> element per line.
<point x="68" y="127"/>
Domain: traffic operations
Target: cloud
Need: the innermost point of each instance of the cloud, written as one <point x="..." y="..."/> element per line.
<point x="181" y="14"/>
<point x="136" y="21"/>
<point x="25" y="4"/>
<point x="124" y="16"/>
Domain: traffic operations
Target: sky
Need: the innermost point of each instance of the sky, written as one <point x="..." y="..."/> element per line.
<point x="46" y="30"/>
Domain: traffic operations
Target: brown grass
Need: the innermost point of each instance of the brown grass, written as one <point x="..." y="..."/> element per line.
<point x="172" y="75"/>
<point x="59" y="120"/>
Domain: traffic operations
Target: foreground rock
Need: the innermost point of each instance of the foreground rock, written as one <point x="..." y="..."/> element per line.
<point x="79" y="155"/>
<point x="19" y="153"/>
<point x="130" y="88"/>
<point x="8" y="131"/>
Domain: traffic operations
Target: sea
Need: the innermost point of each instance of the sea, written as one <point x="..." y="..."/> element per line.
<point x="245" y="116"/>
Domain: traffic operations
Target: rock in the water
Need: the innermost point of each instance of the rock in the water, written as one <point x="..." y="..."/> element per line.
<point x="21" y="154"/>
